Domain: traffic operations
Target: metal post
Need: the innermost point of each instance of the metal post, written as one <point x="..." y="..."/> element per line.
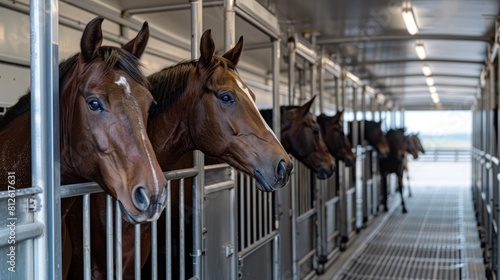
<point x="291" y="70"/>
<point x="198" y="157"/>
<point x="401" y="117"/>
<point x="321" y="82"/>
<point x="45" y="135"/>
<point x="229" y="42"/>
<point x="277" y="130"/>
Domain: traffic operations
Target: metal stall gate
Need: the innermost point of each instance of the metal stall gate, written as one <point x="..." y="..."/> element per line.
<point x="299" y="230"/>
<point x="485" y="161"/>
<point x="328" y="200"/>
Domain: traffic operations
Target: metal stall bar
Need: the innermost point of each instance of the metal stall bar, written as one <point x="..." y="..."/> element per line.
<point x="45" y="135"/>
<point x="229" y="42"/>
<point x="198" y="157"/>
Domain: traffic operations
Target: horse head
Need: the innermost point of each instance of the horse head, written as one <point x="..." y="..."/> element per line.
<point x="397" y="142"/>
<point x="104" y="105"/>
<point x="301" y="136"/>
<point x="335" y="139"/>
<point x="222" y="118"/>
<point x="375" y="137"/>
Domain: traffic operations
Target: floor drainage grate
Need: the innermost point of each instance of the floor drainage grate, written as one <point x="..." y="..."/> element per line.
<point x="437" y="239"/>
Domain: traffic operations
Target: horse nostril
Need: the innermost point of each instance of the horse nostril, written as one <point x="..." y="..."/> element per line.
<point x="140" y="198"/>
<point x="281" y="169"/>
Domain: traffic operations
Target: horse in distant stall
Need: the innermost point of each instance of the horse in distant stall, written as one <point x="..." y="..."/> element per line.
<point x="201" y="104"/>
<point x="393" y="163"/>
<point x="104" y="101"/>
<point x="301" y="137"/>
<point x="413" y="147"/>
<point x="374" y="135"/>
<point x="335" y="139"/>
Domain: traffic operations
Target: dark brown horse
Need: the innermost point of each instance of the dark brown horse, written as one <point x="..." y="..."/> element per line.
<point x="414" y="148"/>
<point x="374" y="135"/>
<point x="335" y="139"/>
<point x="301" y="137"/>
<point x="104" y="102"/>
<point x="393" y="163"/>
<point x="202" y="104"/>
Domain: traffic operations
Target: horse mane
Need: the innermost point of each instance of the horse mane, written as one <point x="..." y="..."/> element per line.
<point x="168" y="84"/>
<point x="113" y="58"/>
<point x="13" y="112"/>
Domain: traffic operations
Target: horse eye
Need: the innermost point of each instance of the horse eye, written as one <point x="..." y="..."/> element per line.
<point x="94" y="104"/>
<point x="227" y="98"/>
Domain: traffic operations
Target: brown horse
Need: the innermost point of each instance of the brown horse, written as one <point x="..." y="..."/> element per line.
<point x="393" y="163"/>
<point x="335" y="139"/>
<point x="413" y="147"/>
<point x="202" y="104"/>
<point x="301" y="137"/>
<point x="104" y="102"/>
<point x="374" y="135"/>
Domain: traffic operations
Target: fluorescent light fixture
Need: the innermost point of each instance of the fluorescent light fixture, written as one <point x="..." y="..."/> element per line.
<point x="420" y="49"/>
<point x="432" y="89"/>
<point x="426" y="69"/>
<point x="352" y="77"/>
<point x="409" y="19"/>
<point x="429" y="81"/>
<point x="435" y="98"/>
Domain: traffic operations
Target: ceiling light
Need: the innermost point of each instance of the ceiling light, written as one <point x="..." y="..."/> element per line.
<point x="419" y="47"/>
<point x="409" y="19"/>
<point x="426" y="69"/>
<point x="429" y="81"/>
<point x="435" y="98"/>
<point x="432" y="89"/>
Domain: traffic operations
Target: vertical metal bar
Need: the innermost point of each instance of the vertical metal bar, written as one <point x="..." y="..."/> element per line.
<point x="254" y="212"/>
<point x="86" y="236"/>
<point x="243" y="208"/>
<point x="321" y="91"/>
<point x="118" y="241"/>
<point x="276" y="87"/>
<point x="229" y="42"/>
<point x="260" y="212"/>
<point x="45" y="135"/>
<point x="198" y="157"/>
<point x="355" y="121"/>
<point x="182" y="266"/>
<point x="137" y="252"/>
<point x="168" y="231"/>
<point x="109" y="237"/>
<point x="154" y="249"/>
<point x="293" y="206"/>
<point x="338" y="86"/>
<point x="402" y="117"/>
<point x="248" y="218"/>
<point x="276" y="53"/>
<point x="291" y="70"/>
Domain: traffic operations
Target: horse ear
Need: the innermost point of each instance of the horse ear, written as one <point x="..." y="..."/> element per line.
<point x="233" y="54"/>
<point x="137" y="45"/>
<point x="91" y="38"/>
<point x="337" y="116"/>
<point x="207" y="49"/>
<point x="306" y="107"/>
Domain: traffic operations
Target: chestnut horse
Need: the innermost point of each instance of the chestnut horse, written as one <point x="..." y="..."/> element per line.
<point x="104" y="101"/>
<point x="301" y="137"/>
<point x="202" y="104"/>
<point x="393" y="163"/>
<point x="335" y="139"/>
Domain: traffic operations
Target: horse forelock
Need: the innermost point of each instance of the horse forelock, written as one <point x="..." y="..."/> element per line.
<point x="170" y="83"/>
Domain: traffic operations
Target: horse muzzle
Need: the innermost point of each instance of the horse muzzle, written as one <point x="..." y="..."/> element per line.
<point x="148" y="208"/>
<point x="279" y="180"/>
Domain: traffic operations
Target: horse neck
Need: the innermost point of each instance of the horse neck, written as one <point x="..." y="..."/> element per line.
<point x="169" y="134"/>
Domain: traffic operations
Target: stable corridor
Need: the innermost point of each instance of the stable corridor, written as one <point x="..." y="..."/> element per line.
<point x="437" y="239"/>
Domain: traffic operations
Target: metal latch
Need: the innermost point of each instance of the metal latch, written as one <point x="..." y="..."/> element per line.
<point x="229" y="250"/>
<point x="34" y="203"/>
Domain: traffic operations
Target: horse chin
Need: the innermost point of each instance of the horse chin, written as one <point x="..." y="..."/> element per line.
<point x="141" y="218"/>
<point x="263" y="184"/>
<point x="349" y="162"/>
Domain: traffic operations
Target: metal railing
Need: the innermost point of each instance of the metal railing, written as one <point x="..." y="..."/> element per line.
<point x="446" y="155"/>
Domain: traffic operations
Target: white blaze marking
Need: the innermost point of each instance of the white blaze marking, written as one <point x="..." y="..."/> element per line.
<point x="245" y="89"/>
<point x="122" y="81"/>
